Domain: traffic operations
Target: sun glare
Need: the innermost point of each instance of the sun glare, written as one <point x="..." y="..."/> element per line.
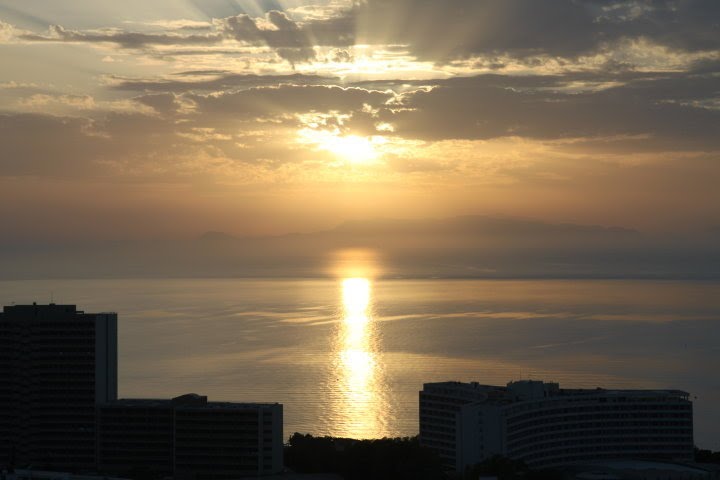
<point x="356" y="296"/>
<point x="358" y="369"/>
<point x="354" y="149"/>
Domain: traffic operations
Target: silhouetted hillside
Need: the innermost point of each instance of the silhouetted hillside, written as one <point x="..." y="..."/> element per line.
<point x="458" y="247"/>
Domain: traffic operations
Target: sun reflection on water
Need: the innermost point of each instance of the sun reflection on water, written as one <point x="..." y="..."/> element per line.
<point x="360" y="408"/>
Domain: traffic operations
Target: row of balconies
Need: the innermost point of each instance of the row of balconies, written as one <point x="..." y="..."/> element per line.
<point x="566" y="456"/>
<point x="110" y="447"/>
<point x="425" y="427"/>
<point x="601" y="444"/>
<point x="436" y="443"/>
<point x="432" y="412"/>
<point x="429" y="418"/>
<point x="584" y="418"/>
<point x="528" y="437"/>
<point x="597" y="436"/>
<point x="551" y="408"/>
<point x="562" y="426"/>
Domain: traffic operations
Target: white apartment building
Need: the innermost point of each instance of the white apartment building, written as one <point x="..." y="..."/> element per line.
<point x="546" y="426"/>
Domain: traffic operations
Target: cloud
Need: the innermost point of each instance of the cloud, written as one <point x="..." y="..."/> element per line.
<point x="281" y="33"/>
<point x="7" y="32"/>
<point x="133" y="40"/>
<point x="587" y="117"/>
<point x="113" y="143"/>
<point x="67" y="148"/>
<point x="166" y="135"/>
<point x="284" y="100"/>
<point x="670" y="109"/>
<point x="453" y="29"/>
<point x="180" y="24"/>
<point x="216" y="81"/>
<point x="288" y="39"/>
<point x="71" y="104"/>
<point x="443" y="32"/>
<point x="10" y="33"/>
<point x="162" y="103"/>
<point x="689" y="25"/>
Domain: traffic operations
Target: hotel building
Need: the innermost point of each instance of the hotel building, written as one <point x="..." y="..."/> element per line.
<point x="56" y="365"/>
<point x="189" y="437"/>
<point x="59" y="408"/>
<point x="546" y="426"/>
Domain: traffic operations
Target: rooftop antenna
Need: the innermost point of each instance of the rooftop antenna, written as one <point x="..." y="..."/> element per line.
<point x="52" y="297"/>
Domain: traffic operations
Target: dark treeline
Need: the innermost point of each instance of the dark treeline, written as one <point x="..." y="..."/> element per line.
<point x="506" y="469"/>
<point x="387" y="458"/>
<point x="404" y="458"/>
<point x="707" y="456"/>
<point x="391" y="458"/>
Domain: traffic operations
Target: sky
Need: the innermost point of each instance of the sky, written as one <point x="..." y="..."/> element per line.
<point x="168" y="118"/>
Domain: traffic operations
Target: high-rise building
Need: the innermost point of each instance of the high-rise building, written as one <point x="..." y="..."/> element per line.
<point x="546" y="426"/>
<point x="59" y="408"/>
<point x="56" y="365"/>
<point x="189" y="437"/>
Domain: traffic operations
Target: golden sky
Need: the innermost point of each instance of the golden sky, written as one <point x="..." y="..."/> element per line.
<point x="168" y="118"/>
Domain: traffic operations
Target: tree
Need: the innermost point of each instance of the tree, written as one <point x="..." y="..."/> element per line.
<point x="387" y="458"/>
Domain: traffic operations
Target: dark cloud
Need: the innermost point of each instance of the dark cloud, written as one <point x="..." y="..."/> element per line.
<point x="48" y="146"/>
<point x="566" y="28"/>
<point x="273" y="101"/>
<point x="137" y="144"/>
<point x="690" y="25"/>
<point x="453" y="29"/>
<point x="163" y="103"/>
<point x="124" y="39"/>
<point x="668" y="109"/>
<point x="461" y="28"/>
<point x="289" y="41"/>
<point x="76" y="147"/>
<point x="219" y="81"/>
<point x="636" y="113"/>
<point x="226" y="8"/>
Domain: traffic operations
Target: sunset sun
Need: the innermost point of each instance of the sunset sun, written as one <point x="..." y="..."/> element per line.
<point x="353" y="149"/>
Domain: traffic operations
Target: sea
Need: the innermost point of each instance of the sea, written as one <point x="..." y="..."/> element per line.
<point x="347" y="356"/>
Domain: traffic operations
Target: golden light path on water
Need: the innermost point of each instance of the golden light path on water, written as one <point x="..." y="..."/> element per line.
<point x="360" y="405"/>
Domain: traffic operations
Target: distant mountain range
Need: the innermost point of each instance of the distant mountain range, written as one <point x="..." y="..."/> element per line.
<point x="467" y="246"/>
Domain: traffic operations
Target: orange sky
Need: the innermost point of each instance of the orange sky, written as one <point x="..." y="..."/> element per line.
<point x="171" y="118"/>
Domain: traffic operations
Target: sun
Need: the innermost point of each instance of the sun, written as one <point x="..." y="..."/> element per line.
<point x="354" y="149"/>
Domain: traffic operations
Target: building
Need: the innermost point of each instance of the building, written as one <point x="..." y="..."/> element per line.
<point x="136" y="436"/>
<point x="189" y="437"/>
<point x="546" y="426"/>
<point x="56" y="365"/>
<point x="59" y="409"/>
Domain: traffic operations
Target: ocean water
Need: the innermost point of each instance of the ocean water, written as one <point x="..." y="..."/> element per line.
<point x="348" y="356"/>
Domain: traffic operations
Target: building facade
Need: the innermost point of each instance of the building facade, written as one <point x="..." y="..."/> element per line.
<point x="546" y="426"/>
<point x="56" y="365"/>
<point x="59" y="409"/>
<point x="190" y="438"/>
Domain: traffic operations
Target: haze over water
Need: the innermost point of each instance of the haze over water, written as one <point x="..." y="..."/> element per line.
<point x="347" y="356"/>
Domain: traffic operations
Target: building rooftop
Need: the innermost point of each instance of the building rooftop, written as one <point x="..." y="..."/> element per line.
<point x="186" y="400"/>
<point x="523" y="390"/>
<point x="45" y="309"/>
